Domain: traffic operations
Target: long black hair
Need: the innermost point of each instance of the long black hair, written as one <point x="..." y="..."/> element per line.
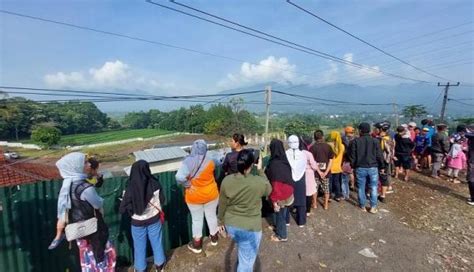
<point x="245" y="160"/>
<point x="239" y="138"/>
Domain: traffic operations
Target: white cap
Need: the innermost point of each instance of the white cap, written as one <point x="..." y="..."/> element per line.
<point x="405" y="125"/>
<point x="412" y="124"/>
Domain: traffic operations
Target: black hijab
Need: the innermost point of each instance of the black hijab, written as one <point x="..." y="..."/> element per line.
<point x="278" y="168"/>
<point x="141" y="186"/>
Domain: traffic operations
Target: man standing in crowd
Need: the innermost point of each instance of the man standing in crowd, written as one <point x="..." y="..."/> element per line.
<point x="323" y="155"/>
<point x="439" y="149"/>
<point x="470" y="163"/>
<point x="366" y="158"/>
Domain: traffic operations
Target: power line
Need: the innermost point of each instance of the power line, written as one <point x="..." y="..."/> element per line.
<point x="299" y="48"/>
<point x="152" y="42"/>
<point x="460" y="102"/>
<point x="364" y="41"/>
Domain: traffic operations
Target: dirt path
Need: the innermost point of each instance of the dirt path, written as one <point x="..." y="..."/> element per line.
<point x="425" y="226"/>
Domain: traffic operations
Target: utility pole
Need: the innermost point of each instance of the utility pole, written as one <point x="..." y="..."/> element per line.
<point x="445" y="98"/>
<point x="397" y="116"/>
<point x="268" y="101"/>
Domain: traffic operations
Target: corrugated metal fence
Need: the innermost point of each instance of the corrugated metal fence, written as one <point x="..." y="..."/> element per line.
<point x="28" y="224"/>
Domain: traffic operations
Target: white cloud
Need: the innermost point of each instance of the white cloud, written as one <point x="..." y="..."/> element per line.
<point x="269" y="69"/>
<point x="368" y="72"/>
<point x="112" y="74"/>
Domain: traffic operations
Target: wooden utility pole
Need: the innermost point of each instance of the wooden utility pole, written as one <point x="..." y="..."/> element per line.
<point x="268" y="101"/>
<point x="445" y="98"/>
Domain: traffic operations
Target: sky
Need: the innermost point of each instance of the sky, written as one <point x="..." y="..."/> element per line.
<point x="435" y="35"/>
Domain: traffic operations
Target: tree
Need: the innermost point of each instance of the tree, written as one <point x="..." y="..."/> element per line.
<point x="46" y="136"/>
<point x="298" y="127"/>
<point x="136" y="120"/>
<point x="414" y="111"/>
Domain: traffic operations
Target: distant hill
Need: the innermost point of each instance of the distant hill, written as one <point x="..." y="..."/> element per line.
<point x="401" y="94"/>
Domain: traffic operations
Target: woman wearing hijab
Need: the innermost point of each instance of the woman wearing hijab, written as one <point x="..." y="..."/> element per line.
<point x="240" y="209"/>
<point x="311" y="185"/>
<point x="71" y="168"/>
<point x="196" y="174"/>
<point x="298" y="163"/>
<point x="278" y="172"/>
<point x="336" y="167"/>
<point x="143" y="200"/>
<point x="83" y="203"/>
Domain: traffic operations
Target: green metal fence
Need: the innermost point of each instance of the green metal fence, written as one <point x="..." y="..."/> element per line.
<point x="28" y="224"/>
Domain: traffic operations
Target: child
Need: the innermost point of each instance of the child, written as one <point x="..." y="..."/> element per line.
<point x="456" y="161"/>
<point x="403" y="150"/>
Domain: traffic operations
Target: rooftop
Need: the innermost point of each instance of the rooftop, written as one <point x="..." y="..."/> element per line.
<point x="160" y="154"/>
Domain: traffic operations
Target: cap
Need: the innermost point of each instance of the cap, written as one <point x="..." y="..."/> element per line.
<point x="404" y="125"/>
<point x="426" y="129"/>
<point x="412" y="124"/>
<point x="349" y="129"/>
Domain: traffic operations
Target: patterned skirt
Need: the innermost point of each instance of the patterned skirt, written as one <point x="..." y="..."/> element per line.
<point x="88" y="262"/>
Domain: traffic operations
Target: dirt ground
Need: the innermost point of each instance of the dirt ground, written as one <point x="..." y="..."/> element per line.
<point x="425" y="225"/>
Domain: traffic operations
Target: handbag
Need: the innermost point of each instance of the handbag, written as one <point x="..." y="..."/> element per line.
<point x="80" y="229"/>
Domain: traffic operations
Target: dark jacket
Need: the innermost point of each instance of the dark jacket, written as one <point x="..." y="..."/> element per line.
<point x="403" y="146"/>
<point x="440" y="143"/>
<point x="365" y="152"/>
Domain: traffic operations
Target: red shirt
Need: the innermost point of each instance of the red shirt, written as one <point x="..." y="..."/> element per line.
<point x="280" y="191"/>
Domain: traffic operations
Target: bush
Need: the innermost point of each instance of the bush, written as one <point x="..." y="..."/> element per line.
<point x="46" y="136"/>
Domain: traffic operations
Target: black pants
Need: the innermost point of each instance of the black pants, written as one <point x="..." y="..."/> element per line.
<point x="470" y="178"/>
<point x="309" y="203"/>
<point x="300" y="217"/>
<point x="336" y="185"/>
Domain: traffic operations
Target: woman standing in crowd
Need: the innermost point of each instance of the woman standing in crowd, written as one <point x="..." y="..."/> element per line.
<point x="403" y="149"/>
<point x="278" y="172"/>
<point x="143" y="200"/>
<point x="229" y="166"/>
<point x="196" y="174"/>
<point x="240" y="204"/>
<point x="298" y="162"/>
<point x="336" y="168"/>
<point x="95" y="251"/>
<point x="311" y="185"/>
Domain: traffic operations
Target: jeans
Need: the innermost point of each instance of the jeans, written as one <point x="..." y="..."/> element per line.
<point x="248" y="243"/>
<point x="373" y="176"/>
<point x="279" y="219"/>
<point x="335" y="181"/>
<point x="345" y="185"/>
<point x="197" y="215"/>
<point x="154" y="234"/>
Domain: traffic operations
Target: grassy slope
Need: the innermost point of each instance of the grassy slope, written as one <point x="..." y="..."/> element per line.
<point x="109" y="136"/>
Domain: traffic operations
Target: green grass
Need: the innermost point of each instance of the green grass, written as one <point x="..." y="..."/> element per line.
<point x="109" y="136"/>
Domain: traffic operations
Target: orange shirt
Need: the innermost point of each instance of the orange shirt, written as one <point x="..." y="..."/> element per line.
<point x="203" y="187"/>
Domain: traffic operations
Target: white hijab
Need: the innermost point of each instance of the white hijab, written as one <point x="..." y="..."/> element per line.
<point x="71" y="168"/>
<point x="296" y="158"/>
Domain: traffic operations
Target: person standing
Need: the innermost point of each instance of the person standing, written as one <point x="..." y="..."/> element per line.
<point x="349" y="135"/>
<point x="143" y="200"/>
<point x="196" y="174"/>
<point x="240" y="204"/>
<point x="336" y="167"/>
<point x="298" y="163"/>
<point x="278" y="172"/>
<point x="229" y="165"/>
<point x="456" y="161"/>
<point x="403" y="149"/>
<point x="470" y="163"/>
<point x="311" y="185"/>
<point x="439" y="149"/>
<point x="366" y="158"/>
<point x="324" y="156"/>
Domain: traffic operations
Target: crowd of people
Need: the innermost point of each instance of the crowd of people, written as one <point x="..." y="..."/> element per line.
<point x="231" y="203"/>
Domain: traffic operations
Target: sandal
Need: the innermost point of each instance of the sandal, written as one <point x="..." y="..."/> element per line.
<point x="56" y="242"/>
<point x="274" y="238"/>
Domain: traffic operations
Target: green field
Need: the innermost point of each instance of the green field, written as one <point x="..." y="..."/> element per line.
<point x="109" y="136"/>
